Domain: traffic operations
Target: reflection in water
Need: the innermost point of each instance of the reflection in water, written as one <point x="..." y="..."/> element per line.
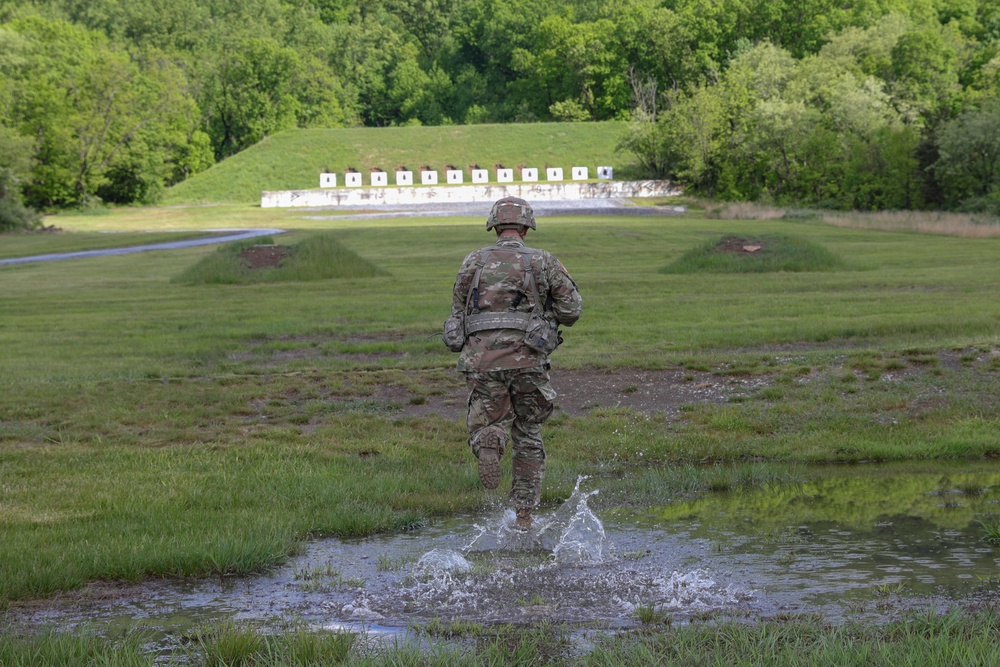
<point x="838" y="544"/>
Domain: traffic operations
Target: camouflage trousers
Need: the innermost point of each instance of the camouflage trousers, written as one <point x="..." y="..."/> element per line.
<point x="517" y="401"/>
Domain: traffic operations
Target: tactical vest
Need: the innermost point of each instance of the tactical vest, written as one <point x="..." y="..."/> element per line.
<point x="476" y="322"/>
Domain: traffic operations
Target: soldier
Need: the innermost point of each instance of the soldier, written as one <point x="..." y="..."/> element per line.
<point x="506" y="307"/>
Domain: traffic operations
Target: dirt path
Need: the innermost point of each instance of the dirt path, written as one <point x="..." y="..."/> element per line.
<point x="582" y="391"/>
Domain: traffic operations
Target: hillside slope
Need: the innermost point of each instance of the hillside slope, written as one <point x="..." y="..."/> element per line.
<point x="293" y="159"/>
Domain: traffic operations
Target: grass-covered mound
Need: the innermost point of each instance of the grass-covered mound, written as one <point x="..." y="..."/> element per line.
<point x="293" y="159"/>
<point x="756" y="254"/>
<point x="260" y="260"/>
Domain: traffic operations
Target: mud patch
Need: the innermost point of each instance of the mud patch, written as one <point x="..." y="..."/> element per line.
<point x="583" y="391"/>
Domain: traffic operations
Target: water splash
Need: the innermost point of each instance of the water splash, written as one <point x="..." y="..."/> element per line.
<point x="440" y="579"/>
<point x="583" y="539"/>
<point x="563" y="567"/>
<point x="699" y="591"/>
<point x="438" y="561"/>
<point x="572" y="534"/>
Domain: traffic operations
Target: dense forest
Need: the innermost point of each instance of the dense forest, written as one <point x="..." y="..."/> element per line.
<point x="869" y="104"/>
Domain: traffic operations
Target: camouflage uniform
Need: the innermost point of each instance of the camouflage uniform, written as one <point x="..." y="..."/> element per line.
<point x="508" y="381"/>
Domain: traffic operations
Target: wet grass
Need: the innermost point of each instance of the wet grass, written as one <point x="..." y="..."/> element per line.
<point x="955" y="639"/>
<point x="923" y="639"/>
<point x="991" y="529"/>
<point x="232" y="644"/>
<point x="65" y="649"/>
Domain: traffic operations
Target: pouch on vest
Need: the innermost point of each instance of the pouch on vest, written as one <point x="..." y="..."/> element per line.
<point x="455" y="327"/>
<point x="542" y="334"/>
<point x="454" y="332"/>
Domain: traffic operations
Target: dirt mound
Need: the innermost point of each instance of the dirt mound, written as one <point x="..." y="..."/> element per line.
<point x="264" y="256"/>
<point x="739" y="245"/>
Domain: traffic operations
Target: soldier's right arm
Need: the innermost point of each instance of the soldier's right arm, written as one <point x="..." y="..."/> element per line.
<point x="463" y="284"/>
<point x="567" y="304"/>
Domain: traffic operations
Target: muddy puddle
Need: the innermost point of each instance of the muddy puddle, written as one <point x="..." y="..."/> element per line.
<point x="866" y="541"/>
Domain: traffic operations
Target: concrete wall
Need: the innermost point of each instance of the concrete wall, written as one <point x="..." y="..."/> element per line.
<point x="467" y="193"/>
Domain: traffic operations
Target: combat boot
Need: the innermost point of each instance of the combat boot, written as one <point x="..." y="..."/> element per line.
<point x="489" y="460"/>
<point x="523" y="520"/>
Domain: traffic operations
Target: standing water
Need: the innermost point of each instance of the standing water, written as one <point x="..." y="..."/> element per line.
<point x="843" y="544"/>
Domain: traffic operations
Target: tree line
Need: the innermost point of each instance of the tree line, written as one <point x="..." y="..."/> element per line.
<point x="846" y="103"/>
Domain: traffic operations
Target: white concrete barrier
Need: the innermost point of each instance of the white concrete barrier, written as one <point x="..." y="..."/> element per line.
<point x="566" y="190"/>
<point x="327" y="180"/>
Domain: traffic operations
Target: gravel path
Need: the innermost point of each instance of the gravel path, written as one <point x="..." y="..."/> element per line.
<point x="235" y="235"/>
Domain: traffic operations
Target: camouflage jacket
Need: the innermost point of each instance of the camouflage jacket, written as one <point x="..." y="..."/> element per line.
<point x="501" y="288"/>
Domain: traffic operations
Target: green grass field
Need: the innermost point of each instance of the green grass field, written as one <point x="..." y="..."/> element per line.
<point x="153" y="428"/>
<point x="294" y="159"/>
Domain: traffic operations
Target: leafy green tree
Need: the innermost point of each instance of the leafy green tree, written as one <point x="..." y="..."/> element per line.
<point x="249" y="94"/>
<point x="381" y="69"/>
<point x="654" y="44"/>
<point x="428" y="21"/>
<point x="866" y="50"/>
<point x="497" y="38"/>
<point x="319" y="93"/>
<point x="882" y="172"/>
<point x="924" y="74"/>
<point x="576" y="62"/>
<point x="969" y="162"/>
<point x="815" y="130"/>
<point x="88" y="105"/>
<point x="691" y="137"/>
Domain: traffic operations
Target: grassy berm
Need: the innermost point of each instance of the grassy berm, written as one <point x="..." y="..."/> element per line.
<point x="294" y="159"/>
<point x="156" y="428"/>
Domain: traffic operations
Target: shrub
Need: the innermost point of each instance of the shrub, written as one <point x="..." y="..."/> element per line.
<point x="16" y="216"/>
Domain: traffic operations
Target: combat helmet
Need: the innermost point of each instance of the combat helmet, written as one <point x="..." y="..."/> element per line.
<point x="511" y="212"/>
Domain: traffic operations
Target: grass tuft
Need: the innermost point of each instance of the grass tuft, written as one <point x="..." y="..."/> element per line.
<point x="50" y="648"/>
<point x="228" y="644"/>
<point x="991" y="528"/>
